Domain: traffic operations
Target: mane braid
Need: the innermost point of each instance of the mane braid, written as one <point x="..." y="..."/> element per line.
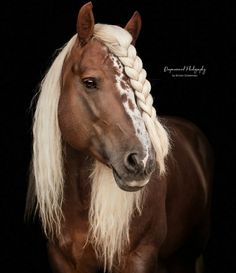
<point x="47" y="160"/>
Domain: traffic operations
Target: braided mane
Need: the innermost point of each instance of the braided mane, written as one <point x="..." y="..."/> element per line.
<point x="118" y="40"/>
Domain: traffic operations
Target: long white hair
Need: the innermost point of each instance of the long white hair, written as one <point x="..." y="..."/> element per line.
<point x="111" y="209"/>
<point x="47" y="173"/>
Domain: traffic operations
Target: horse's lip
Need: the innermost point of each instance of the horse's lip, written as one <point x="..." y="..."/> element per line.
<point x="122" y="185"/>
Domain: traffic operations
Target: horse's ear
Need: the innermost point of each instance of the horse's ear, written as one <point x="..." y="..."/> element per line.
<point x="85" y="23"/>
<point x="134" y="26"/>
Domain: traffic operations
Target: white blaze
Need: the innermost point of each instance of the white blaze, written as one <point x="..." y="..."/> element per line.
<point x="131" y="108"/>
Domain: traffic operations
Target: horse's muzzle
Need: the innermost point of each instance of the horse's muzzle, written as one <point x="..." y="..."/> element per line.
<point x="135" y="172"/>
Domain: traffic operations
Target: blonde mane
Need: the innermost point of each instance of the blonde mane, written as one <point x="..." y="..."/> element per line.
<point x="111" y="209"/>
<point x="47" y="161"/>
<point x="110" y="214"/>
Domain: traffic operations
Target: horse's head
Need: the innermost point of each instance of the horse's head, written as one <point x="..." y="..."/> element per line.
<point x="97" y="110"/>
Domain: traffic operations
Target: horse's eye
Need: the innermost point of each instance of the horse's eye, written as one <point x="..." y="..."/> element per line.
<point x="90" y="83"/>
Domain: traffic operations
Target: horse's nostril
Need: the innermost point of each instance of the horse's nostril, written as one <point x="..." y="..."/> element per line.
<point x="132" y="162"/>
<point x="132" y="159"/>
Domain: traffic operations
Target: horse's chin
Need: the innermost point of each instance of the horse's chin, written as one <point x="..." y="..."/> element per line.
<point x="128" y="186"/>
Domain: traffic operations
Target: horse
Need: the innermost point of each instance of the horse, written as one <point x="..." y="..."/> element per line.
<point x="117" y="188"/>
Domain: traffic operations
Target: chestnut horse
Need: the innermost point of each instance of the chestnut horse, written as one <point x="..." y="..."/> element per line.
<point x="117" y="188"/>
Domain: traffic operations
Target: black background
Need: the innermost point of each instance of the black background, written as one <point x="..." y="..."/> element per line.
<point x="173" y="34"/>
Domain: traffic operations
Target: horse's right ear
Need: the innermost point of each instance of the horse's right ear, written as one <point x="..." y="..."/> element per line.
<point x="85" y="23"/>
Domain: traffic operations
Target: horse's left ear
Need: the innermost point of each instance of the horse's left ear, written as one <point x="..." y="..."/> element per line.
<point x="85" y="23"/>
<point x="134" y="26"/>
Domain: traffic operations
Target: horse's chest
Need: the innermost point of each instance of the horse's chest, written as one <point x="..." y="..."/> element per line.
<point x="77" y="249"/>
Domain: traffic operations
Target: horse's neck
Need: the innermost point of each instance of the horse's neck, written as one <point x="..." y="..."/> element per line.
<point x="77" y="183"/>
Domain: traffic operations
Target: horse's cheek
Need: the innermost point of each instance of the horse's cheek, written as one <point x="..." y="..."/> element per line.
<point x="73" y="131"/>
